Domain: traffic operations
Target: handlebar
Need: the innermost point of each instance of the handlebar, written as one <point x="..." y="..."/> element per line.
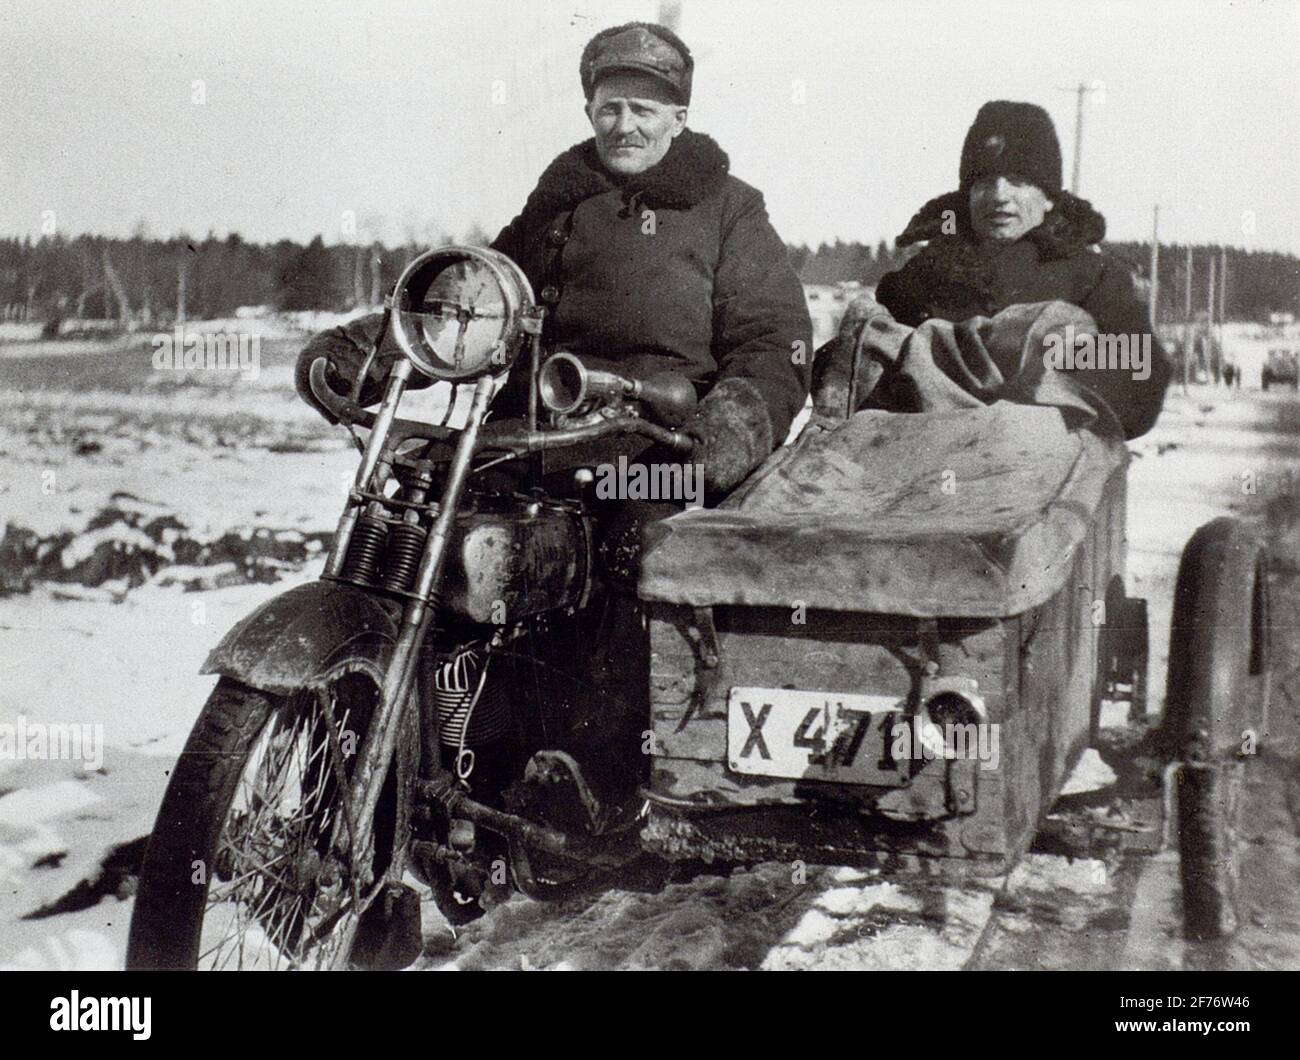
<point x="504" y="436"/>
<point x="345" y="410"/>
<point x="507" y="436"/>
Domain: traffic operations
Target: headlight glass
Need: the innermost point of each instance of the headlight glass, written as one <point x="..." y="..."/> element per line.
<point x="458" y="312"/>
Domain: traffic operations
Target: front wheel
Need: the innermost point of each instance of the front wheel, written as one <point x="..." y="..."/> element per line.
<point x="239" y="872"/>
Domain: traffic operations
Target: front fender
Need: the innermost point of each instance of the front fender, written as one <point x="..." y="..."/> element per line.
<point x="294" y="639"/>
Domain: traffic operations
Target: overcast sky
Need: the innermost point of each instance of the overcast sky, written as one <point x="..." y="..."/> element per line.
<point x="430" y="117"/>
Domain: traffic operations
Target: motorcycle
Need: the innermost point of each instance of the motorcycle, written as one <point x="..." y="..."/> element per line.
<point x="404" y="714"/>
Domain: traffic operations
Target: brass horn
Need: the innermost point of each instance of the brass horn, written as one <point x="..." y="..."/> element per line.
<point x="566" y="385"/>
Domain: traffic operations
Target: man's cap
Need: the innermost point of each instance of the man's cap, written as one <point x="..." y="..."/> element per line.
<point x="1012" y="138"/>
<point x="642" y="48"/>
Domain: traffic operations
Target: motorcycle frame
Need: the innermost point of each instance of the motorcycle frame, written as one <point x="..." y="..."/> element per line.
<point x="353" y="830"/>
<point x="356" y="823"/>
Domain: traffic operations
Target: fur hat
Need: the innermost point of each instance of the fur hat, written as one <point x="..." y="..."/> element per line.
<point x="638" y="47"/>
<point x="1012" y="138"/>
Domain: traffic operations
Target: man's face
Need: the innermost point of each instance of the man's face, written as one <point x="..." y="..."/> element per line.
<point x="1004" y="208"/>
<point x="635" y="119"/>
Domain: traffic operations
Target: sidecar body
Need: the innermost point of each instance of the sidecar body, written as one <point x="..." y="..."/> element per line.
<point x="888" y="647"/>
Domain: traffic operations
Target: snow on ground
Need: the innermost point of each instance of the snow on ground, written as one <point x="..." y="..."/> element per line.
<point x="227" y="457"/>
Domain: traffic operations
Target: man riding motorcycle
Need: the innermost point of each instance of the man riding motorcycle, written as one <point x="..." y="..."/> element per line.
<point x="648" y="256"/>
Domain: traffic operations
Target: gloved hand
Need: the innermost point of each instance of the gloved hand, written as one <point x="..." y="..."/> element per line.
<point x="732" y="432"/>
<point x="346" y="348"/>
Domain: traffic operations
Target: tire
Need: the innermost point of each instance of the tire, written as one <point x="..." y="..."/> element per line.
<point x="1216" y="710"/>
<point x="217" y="834"/>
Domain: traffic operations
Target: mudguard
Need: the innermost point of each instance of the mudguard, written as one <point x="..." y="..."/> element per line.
<point x="293" y="640"/>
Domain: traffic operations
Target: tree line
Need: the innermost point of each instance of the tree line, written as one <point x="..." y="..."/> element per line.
<point x="1258" y="283"/>
<point x="142" y="281"/>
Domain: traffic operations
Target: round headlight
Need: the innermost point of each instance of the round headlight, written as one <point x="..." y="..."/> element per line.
<point x="458" y="312"/>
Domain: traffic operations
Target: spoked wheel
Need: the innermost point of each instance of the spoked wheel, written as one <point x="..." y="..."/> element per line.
<point x="239" y="873"/>
<point x="1216" y="711"/>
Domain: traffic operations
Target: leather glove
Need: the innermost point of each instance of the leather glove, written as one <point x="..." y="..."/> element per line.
<point x="732" y="432"/>
<point x="346" y="348"/>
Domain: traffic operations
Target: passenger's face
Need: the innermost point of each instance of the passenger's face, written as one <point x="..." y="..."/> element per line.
<point x="635" y="120"/>
<point x="1002" y="209"/>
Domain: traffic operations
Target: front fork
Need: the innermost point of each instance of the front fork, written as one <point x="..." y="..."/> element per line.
<point x="354" y="829"/>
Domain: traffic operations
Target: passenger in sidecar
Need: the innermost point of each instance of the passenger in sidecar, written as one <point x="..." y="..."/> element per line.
<point x="1010" y="235"/>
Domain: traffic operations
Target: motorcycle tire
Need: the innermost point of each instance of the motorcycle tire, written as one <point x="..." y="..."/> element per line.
<point x="219" y="850"/>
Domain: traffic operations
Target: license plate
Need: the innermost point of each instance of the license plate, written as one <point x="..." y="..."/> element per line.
<point x="841" y="738"/>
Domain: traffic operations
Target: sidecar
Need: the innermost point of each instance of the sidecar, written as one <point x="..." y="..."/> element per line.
<point x="893" y="645"/>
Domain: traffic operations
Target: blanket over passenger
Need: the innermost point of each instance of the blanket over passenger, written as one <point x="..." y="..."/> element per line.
<point x="970" y="502"/>
<point x="875" y="362"/>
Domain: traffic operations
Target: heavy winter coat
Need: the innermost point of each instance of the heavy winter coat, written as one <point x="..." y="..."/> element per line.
<point x="955" y="278"/>
<point x="675" y="269"/>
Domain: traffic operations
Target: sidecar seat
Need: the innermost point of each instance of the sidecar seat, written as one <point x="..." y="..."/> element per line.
<point x="973" y="512"/>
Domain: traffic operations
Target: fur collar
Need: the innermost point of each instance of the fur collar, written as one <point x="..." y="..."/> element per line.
<point x="690" y="172"/>
<point x="951" y="263"/>
<point x="1072" y="225"/>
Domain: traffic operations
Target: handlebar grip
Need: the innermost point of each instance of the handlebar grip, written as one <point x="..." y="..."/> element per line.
<point x="340" y="406"/>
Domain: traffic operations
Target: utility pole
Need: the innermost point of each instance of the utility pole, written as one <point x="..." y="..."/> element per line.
<point x="1187" y="318"/>
<point x="1212" y="359"/>
<point x="1081" y="91"/>
<point x="1155" y="263"/>
<point x="670" y="14"/>
<point x="1223" y="298"/>
<point x="1223" y="286"/>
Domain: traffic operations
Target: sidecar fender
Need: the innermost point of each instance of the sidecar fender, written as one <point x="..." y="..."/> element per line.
<point x="293" y="640"/>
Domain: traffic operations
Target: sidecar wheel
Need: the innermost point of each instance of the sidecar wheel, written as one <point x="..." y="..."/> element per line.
<point x="1216" y="711"/>
<point x="238" y="872"/>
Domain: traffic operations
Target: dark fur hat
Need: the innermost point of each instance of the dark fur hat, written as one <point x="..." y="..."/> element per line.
<point x="1012" y="138"/>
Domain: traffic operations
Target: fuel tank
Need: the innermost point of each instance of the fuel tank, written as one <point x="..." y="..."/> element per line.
<point x="509" y="561"/>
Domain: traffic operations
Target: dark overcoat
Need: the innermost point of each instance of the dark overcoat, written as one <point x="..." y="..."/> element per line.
<point x="676" y="269"/>
<point x="955" y="278"/>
